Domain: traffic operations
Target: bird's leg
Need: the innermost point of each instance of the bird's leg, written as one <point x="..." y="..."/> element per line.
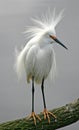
<point x="33" y="114"/>
<point x="42" y="88"/>
<point x="33" y="94"/>
<point x="46" y="112"/>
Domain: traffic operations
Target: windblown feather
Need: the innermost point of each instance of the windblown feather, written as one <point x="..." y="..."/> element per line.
<point x="46" y="23"/>
<point x="19" y="63"/>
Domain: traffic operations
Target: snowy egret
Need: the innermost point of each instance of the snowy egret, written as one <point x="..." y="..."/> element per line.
<point x="37" y="58"/>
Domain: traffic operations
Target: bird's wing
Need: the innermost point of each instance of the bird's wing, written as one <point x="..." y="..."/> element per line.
<point x="20" y="59"/>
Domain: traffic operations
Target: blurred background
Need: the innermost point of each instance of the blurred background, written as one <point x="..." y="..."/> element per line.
<point x="15" y="96"/>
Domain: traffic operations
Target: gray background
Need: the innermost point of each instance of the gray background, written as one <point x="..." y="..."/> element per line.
<point x="15" y="97"/>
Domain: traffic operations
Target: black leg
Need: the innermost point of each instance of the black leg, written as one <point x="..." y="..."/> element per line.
<point x="42" y="88"/>
<point x="33" y="114"/>
<point x="46" y="112"/>
<point x="32" y="94"/>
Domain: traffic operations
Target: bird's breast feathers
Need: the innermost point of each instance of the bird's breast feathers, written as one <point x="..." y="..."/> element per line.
<point x="38" y="62"/>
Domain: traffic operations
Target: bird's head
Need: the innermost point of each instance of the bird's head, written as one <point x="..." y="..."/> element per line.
<point x="51" y="37"/>
<point x="45" y="27"/>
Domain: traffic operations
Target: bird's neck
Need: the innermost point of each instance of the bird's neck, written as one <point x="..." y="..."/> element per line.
<point x="43" y="42"/>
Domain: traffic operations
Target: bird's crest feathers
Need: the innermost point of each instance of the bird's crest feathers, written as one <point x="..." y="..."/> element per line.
<point x="46" y="23"/>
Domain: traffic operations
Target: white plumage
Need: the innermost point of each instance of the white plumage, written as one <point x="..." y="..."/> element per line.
<point x="37" y="58"/>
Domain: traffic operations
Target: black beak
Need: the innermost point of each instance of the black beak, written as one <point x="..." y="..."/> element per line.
<point x="60" y="43"/>
<point x="57" y="41"/>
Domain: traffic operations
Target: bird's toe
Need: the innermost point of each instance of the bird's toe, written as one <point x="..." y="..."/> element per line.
<point x="47" y="113"/>
<point x="34" y="116"/>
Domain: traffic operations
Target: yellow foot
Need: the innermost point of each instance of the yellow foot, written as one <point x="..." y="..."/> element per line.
<point x="34" y="116"/>
<point x="47" y="113"/>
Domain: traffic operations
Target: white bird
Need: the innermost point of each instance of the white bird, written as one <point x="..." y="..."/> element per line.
<point x="37" y="58"/>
